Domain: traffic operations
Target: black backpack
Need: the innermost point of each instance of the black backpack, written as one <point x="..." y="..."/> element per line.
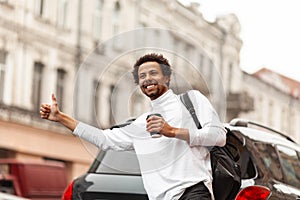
<point x="224" y="162"/>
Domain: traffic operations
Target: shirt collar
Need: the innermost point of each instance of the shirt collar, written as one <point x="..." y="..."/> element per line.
<point x="163" y="98"/>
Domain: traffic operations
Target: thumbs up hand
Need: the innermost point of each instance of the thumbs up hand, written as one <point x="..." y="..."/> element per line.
<point x="50" y="111"/>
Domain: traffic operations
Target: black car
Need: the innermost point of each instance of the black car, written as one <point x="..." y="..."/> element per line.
<point x="268" y="159"/>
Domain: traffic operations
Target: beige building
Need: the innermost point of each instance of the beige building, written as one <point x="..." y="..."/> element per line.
<point x="276" y="101"/>
<point x="83" y="51"/>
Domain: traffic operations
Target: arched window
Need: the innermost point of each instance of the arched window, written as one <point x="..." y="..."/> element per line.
<point x="95" y="104"/>
<point x="60" y="83"/>
<point x="39" y="8"/>
<point x="38" y="69"/>
<point x="116" y="18"/>
<point x="116" y="26"/>
<point x="97" y="19"/>
<point x="62" y="13"/>
<point x="3" y="55"/>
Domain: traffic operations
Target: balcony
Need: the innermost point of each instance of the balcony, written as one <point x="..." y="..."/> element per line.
<point x="238" y="102"/>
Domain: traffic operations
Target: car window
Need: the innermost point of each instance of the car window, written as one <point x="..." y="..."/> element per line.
<point x="268" y="155"/>
<point x="290" y="165"/>
<point x="7" y="186"/>
<point x="119" y="162"/>
<point x="247" y="167"/>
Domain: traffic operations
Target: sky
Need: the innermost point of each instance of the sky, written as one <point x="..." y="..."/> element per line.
<point x="270" y="32"/>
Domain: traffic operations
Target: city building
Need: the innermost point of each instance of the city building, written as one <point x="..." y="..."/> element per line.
<point x="276" y="101"/>
<point x="83" y="51"/>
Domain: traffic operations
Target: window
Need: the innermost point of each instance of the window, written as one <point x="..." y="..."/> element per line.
<point x="201" y="62"/>
<point x="97" y="19"/>
<point x="111" y="106"/>
<point x="270" y="159"/>
<point x="229" y="77"/>
<point x="60" y="82"/>
<point x="141" y="36"/>
<point x="116" y="26"/>
<point x="39" y="7"/>
<point x="3" y="1"/>
<point x="116" y="18"/>
<point x="37" y="85"/>
<point x="175" y="48"/>
<point x="189" y="49"/>
<point x="95" y="101"/>
<point x="291" y="120"/>
<point x="157" y="38"/>
<point x="211" y="71"/>
<point x="270" y="113"/>
<point x="290" y="165"/>
<point x="118" y="162"/>
<point x="260" y="106"/>
<point x="2" y="73"/>
<point x="5" y="153"/>
<point x="284" y="119"/>
<point x="62" y="11"/>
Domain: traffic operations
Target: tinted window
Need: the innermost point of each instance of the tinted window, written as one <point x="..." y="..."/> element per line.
<point x="268" y="155"/>
<point x="290" y="165"/>
<point x="119" y="162"/>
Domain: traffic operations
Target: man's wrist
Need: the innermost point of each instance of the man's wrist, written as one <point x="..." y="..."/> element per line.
<point x="59" y="117"/>
<point x="182" y="134"/>
<point x="66" y="120"/>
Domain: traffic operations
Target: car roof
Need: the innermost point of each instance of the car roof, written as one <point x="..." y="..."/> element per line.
<point x="264" y="136"/>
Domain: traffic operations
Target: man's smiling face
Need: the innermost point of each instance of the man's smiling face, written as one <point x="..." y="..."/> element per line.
<point x="152" y="81"/>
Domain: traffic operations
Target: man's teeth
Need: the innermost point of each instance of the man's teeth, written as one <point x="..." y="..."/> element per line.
<point x="150" y="86"/>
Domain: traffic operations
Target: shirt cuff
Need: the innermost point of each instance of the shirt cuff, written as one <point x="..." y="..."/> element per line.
<point x="192" y="134"/>
<point x="79" y="129"/>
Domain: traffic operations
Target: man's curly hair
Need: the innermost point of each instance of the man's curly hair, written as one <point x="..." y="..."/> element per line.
<point x="152" y="57"/>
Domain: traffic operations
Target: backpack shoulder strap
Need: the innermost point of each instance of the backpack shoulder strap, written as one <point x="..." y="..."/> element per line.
<point x="189" y="105"/>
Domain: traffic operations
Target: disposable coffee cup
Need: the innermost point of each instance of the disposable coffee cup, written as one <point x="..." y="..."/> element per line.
<point x="154" y="134"/>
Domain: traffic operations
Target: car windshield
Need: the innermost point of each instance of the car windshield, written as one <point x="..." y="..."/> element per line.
<point x="119" y="162"/>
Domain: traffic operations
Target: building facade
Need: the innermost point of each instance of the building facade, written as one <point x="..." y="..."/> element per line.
<point x="83" y="51"/>
<point x="276" y="101"/>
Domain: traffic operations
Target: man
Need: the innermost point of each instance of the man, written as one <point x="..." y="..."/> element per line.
<point x="175" y="165"/>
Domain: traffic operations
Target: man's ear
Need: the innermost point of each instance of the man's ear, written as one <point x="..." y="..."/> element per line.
<point x="167" y="78"/>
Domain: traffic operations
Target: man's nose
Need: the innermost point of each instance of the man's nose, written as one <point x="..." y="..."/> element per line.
<point x="147" y="79"/>
<point x="148" y="76"/>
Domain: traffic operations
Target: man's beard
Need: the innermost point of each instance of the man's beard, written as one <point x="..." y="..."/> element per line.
<point x="152" y="94"/>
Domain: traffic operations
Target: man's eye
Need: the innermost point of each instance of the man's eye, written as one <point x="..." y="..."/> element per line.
<point x="153" y="72"/>
<point x="142" y="76"/>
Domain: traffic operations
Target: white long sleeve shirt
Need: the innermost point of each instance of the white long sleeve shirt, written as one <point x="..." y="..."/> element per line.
<point x="168" y="165"/>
